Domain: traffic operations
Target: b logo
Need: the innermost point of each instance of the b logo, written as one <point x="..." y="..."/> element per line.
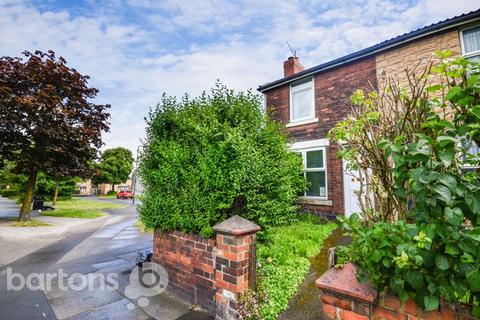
<point x="147" y="281"/>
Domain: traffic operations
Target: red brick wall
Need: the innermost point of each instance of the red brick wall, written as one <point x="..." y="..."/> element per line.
<point x="332" y="93"/>
<point x="190" y="265"/>
<point x="209" y="273"/>
<point x="337" y="306"/>
<point x="345" y="298"/>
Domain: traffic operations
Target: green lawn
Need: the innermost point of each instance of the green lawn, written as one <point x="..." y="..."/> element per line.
<point x="30" y="223"/>
<point x="81" y="208"/>
<point x="284" y="259"/>
<point x="107" y="196"/>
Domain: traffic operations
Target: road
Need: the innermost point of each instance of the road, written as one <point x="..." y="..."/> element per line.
<point x="106" y="246"/>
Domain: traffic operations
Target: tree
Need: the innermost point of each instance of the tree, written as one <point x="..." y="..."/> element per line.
<point x="114" y="167"/>
<point x="48" y="122"/>
<point x="49" y="188"/>
<point x="215" y="156"/>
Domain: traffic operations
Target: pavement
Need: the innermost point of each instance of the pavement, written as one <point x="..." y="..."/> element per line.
<point x="97" y="260"/>
<point x="8" y="208"/>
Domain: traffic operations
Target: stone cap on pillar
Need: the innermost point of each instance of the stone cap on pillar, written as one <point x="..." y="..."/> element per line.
<point x="236" y="225"/>
<point x="344" y="281"/>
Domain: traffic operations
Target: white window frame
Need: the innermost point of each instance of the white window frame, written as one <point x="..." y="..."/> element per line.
<point x="303" y="152"/>
<point x="468" y="166"/>
<point x="302" y="86"/>
<point x="462" y="44"/>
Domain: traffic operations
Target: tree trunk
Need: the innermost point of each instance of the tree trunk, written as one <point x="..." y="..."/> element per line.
<point x="113" y="187"/>
<point x="25" y="210"/>
<point x="55" y="195"/>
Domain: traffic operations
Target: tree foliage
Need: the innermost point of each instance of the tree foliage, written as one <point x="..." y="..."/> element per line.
<point x="432" y="251"/>
<point x="215" y="156"/>
<point x="114" y="167"/>
<point x="46" y="187"/>
<point x="48" y="121"/>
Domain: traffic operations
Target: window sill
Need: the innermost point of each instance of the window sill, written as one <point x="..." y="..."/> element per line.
<point x="299" y="123"/>
<point x="315" y="201"/>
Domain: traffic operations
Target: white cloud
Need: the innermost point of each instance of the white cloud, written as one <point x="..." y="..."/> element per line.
<point x="184" y="46"/>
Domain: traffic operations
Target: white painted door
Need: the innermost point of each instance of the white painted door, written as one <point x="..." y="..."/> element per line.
<point x="351" y="185"/>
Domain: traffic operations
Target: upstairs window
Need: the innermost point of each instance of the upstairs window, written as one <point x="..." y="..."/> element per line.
<point x="471" y="43"/>
<point x="302" y="101"/>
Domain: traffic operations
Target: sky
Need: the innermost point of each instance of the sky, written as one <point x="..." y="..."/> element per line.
<point x="135" y="50"/>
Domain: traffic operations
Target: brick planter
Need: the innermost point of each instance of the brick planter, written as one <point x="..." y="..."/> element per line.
<point x="343" y="297"/>
<point x="210" y="272"/>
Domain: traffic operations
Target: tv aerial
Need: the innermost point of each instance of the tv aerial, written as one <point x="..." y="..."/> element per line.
<point x="294" y="53"/>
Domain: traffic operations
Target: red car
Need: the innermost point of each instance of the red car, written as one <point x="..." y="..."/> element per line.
<point x="125" y="195"/>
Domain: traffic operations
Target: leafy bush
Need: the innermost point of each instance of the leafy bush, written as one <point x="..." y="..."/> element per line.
<point x="215" y="156"/>
<point x="45" y="188"/>
<point x="8" y="193"/>
<point x="111" y="193"/>
<point x="434" y="253"/>
<point x="284" y="259"/>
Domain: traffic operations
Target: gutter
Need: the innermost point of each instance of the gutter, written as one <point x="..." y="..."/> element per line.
<point x="366" y="53"/>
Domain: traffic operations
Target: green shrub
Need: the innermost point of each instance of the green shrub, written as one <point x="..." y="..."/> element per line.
<point x="111" y="193"/>
<point x="434" y="253"/>
<point x="215" y="156"/>
<point x="8" y="193"/>
<point x="284" y="259"/>
<point x="45" y="188"/>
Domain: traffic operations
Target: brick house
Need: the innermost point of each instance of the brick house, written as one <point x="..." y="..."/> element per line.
<point x="85" y="188"/>
<point x="309" y="102"/>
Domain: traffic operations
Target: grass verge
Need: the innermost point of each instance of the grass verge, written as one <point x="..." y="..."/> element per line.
<point x="30" y="223"/>
<point x="107" y="196"/>
<point x="284" y="259"/>
<point x="142" y="227"/>
<point x="73" y="213"/>
<point x="81" y="208"/>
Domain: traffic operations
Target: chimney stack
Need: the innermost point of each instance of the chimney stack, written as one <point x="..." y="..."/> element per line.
<point x="291" y="66"/>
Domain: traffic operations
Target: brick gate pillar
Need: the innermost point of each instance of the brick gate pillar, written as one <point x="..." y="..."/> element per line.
<point x="235" y="263"/>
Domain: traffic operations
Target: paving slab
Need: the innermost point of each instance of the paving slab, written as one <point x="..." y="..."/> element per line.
<point x="166" y="307"/>
<point x="109" y="264"/>
<point x="117" y="310"/>
<point x="76" y="302"/>
<point x="10" y="250"/>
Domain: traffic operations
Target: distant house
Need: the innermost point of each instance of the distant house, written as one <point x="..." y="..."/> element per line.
<point x="310" y="102"/>
<point x="85" y="188"/>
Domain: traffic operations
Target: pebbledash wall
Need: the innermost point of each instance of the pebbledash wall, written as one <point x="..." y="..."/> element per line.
<point x="332" y="91"/>
<point x="210" y="273"/>
<point x="415" y="54"/>
<point x="344" y="298"/>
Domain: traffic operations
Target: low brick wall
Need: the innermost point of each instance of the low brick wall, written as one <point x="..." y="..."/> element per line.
<point x="343" y="297"/>
<point x="210" y="273"/>
<point x="190" y="264"/>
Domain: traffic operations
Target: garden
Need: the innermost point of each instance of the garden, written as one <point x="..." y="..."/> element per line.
<point x="215" y="156"/>
<point x="417" y="145"/>
<point x="212" y="157"/>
